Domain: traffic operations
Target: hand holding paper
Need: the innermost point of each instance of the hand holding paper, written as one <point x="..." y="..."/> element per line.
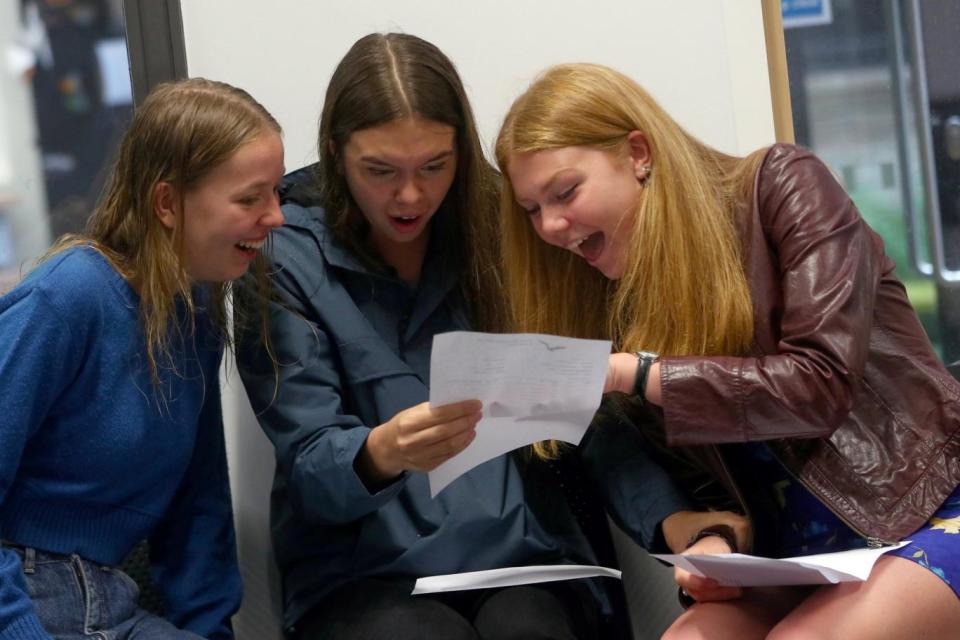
<point x="418" y="439"/>
<point x="737" y="569"/>
<point x="533" y="387"/>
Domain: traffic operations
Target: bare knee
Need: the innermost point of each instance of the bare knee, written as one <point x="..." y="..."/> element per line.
<point x="735" y="620"/>
<point x="792" y="629"/>
<point x="684" y="628"/>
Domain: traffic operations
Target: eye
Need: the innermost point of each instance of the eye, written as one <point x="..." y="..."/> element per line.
<point x="378" y="172"/>
<point x="566" y="194"/>
<point x="248" y="201"/>
<point x="434" y="168"/>
<point x="532" y="211"/>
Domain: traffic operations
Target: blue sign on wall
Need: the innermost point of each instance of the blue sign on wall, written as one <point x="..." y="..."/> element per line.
<point x="805" y="13"/>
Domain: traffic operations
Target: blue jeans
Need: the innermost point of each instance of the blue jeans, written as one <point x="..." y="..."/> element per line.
<point x="77" y="599"/>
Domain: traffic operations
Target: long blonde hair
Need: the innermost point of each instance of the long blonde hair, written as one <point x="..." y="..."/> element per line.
<point x="181" y="132"/>
<point x="684" y="290"/>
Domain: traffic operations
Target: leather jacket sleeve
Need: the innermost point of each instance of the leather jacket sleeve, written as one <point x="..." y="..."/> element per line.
<point x="829" y="264"/>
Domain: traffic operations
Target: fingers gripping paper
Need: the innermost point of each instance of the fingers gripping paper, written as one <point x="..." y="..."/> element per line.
<point x="737" y="569"/>
<point x="533" y="387"/>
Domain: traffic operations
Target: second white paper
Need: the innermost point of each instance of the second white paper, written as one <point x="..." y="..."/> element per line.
<point x="737" y="569"/>
<point x="510" y="577"/>
<point x="533" y="387"/>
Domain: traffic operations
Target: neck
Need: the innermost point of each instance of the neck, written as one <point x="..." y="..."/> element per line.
<point x="407" y="258"/>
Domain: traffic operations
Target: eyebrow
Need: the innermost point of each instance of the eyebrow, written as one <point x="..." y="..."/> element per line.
<point x="559" y="175"/>
<point x="259" y="184"/>
<point x="443" y="155"/>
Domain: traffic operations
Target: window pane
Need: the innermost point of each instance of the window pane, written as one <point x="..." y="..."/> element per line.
<point x="66" y="98"/>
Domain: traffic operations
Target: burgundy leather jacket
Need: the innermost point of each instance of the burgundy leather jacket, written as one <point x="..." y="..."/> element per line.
<point x="842" y="380"/>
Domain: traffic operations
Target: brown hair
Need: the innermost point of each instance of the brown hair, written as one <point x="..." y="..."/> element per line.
<point x="181" y="132"/>
<point x="386" y="77"/>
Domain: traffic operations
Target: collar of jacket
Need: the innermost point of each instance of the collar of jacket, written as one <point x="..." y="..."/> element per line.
<point x="433" y="275"/>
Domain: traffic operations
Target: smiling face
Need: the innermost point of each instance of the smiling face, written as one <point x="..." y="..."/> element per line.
<point x="229" y="213"/>
<point x="398" y="174"/>
<point x="583" y="199"/>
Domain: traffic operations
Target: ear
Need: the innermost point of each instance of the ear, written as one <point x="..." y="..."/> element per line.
<point x="166" y="204"/>
<point x="640" y="157"/>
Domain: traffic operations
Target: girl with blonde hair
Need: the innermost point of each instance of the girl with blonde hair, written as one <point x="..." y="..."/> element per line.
<point x="109" y="359"/>
<point x="755" y="315"/>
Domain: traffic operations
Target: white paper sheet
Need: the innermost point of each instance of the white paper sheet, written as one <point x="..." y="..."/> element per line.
<point x="533" y="387"/>
<point x="510" y="577"/>
<point x="737" y="569"/>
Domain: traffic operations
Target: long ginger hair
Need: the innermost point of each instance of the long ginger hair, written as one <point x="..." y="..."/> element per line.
<point x="684" y="290"/>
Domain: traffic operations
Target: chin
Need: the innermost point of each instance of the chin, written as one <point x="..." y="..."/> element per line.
<point x="222" y="278"/>
<point x="609" y="274"/>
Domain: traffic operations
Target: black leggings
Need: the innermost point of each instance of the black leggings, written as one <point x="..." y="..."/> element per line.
<point x="385" y="610"/>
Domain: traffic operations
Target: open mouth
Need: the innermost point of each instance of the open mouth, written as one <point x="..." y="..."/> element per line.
<point x="249" y="248"/>
<point x="405" y="223"/>
<point x="590" y="247"/>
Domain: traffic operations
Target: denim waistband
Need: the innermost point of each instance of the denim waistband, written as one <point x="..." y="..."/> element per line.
<point x="33" y="553"/>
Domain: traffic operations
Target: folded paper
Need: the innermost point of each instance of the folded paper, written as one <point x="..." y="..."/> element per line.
<point x="737" y="569"/>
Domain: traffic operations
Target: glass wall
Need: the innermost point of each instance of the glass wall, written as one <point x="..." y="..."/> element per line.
<point x="65" y="98"/>
<point x="863" y="82"/>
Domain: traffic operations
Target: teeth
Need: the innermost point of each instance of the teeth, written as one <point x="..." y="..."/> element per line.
<point x="408" y="218"/>
<point x="251" y="245"/>
<point x="576" y="243"/>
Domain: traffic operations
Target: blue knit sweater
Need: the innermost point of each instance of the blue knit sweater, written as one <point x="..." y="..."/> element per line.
<point x="94" y="457"/>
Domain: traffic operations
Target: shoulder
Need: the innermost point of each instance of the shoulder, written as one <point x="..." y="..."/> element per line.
<point x="298" y="250"/>
<point x="801" y="205"/>
<point x="788" y="162"/>
<point x="305" y="220"/>
<point x="79" y="280"/>
<point x="304" y="230"/>
<point x="792" y="177"/>
<point x="74" y="293"/>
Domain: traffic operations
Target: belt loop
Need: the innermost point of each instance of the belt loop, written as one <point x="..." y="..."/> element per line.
<point x="29" y="560"/>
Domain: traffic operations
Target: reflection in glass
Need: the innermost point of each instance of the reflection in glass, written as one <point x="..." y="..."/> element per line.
<point x="859" y="89"/>
<point x="66" y="97"/>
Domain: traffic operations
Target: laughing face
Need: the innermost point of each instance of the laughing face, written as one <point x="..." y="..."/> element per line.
<point x="582" y="199"/>
<point x="398" y="174"/>
<point x="228" y="214"/>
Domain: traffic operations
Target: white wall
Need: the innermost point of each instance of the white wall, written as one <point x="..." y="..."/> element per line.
<point x="704" y="60"/>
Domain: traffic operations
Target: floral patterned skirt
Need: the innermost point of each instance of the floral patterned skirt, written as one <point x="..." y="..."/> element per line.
<point x="936" y="545"/>
<point x="789" y="521"/>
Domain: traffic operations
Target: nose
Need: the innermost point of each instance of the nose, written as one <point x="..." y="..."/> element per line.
<point x="273" y="216"/>
<point x="409" y="191"/>
<point x="551" y="224"/>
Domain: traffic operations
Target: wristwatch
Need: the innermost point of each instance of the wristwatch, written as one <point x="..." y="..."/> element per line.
<point x="645" y="360"/>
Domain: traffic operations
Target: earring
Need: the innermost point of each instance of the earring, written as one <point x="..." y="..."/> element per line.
<point x="644" y="175"/>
